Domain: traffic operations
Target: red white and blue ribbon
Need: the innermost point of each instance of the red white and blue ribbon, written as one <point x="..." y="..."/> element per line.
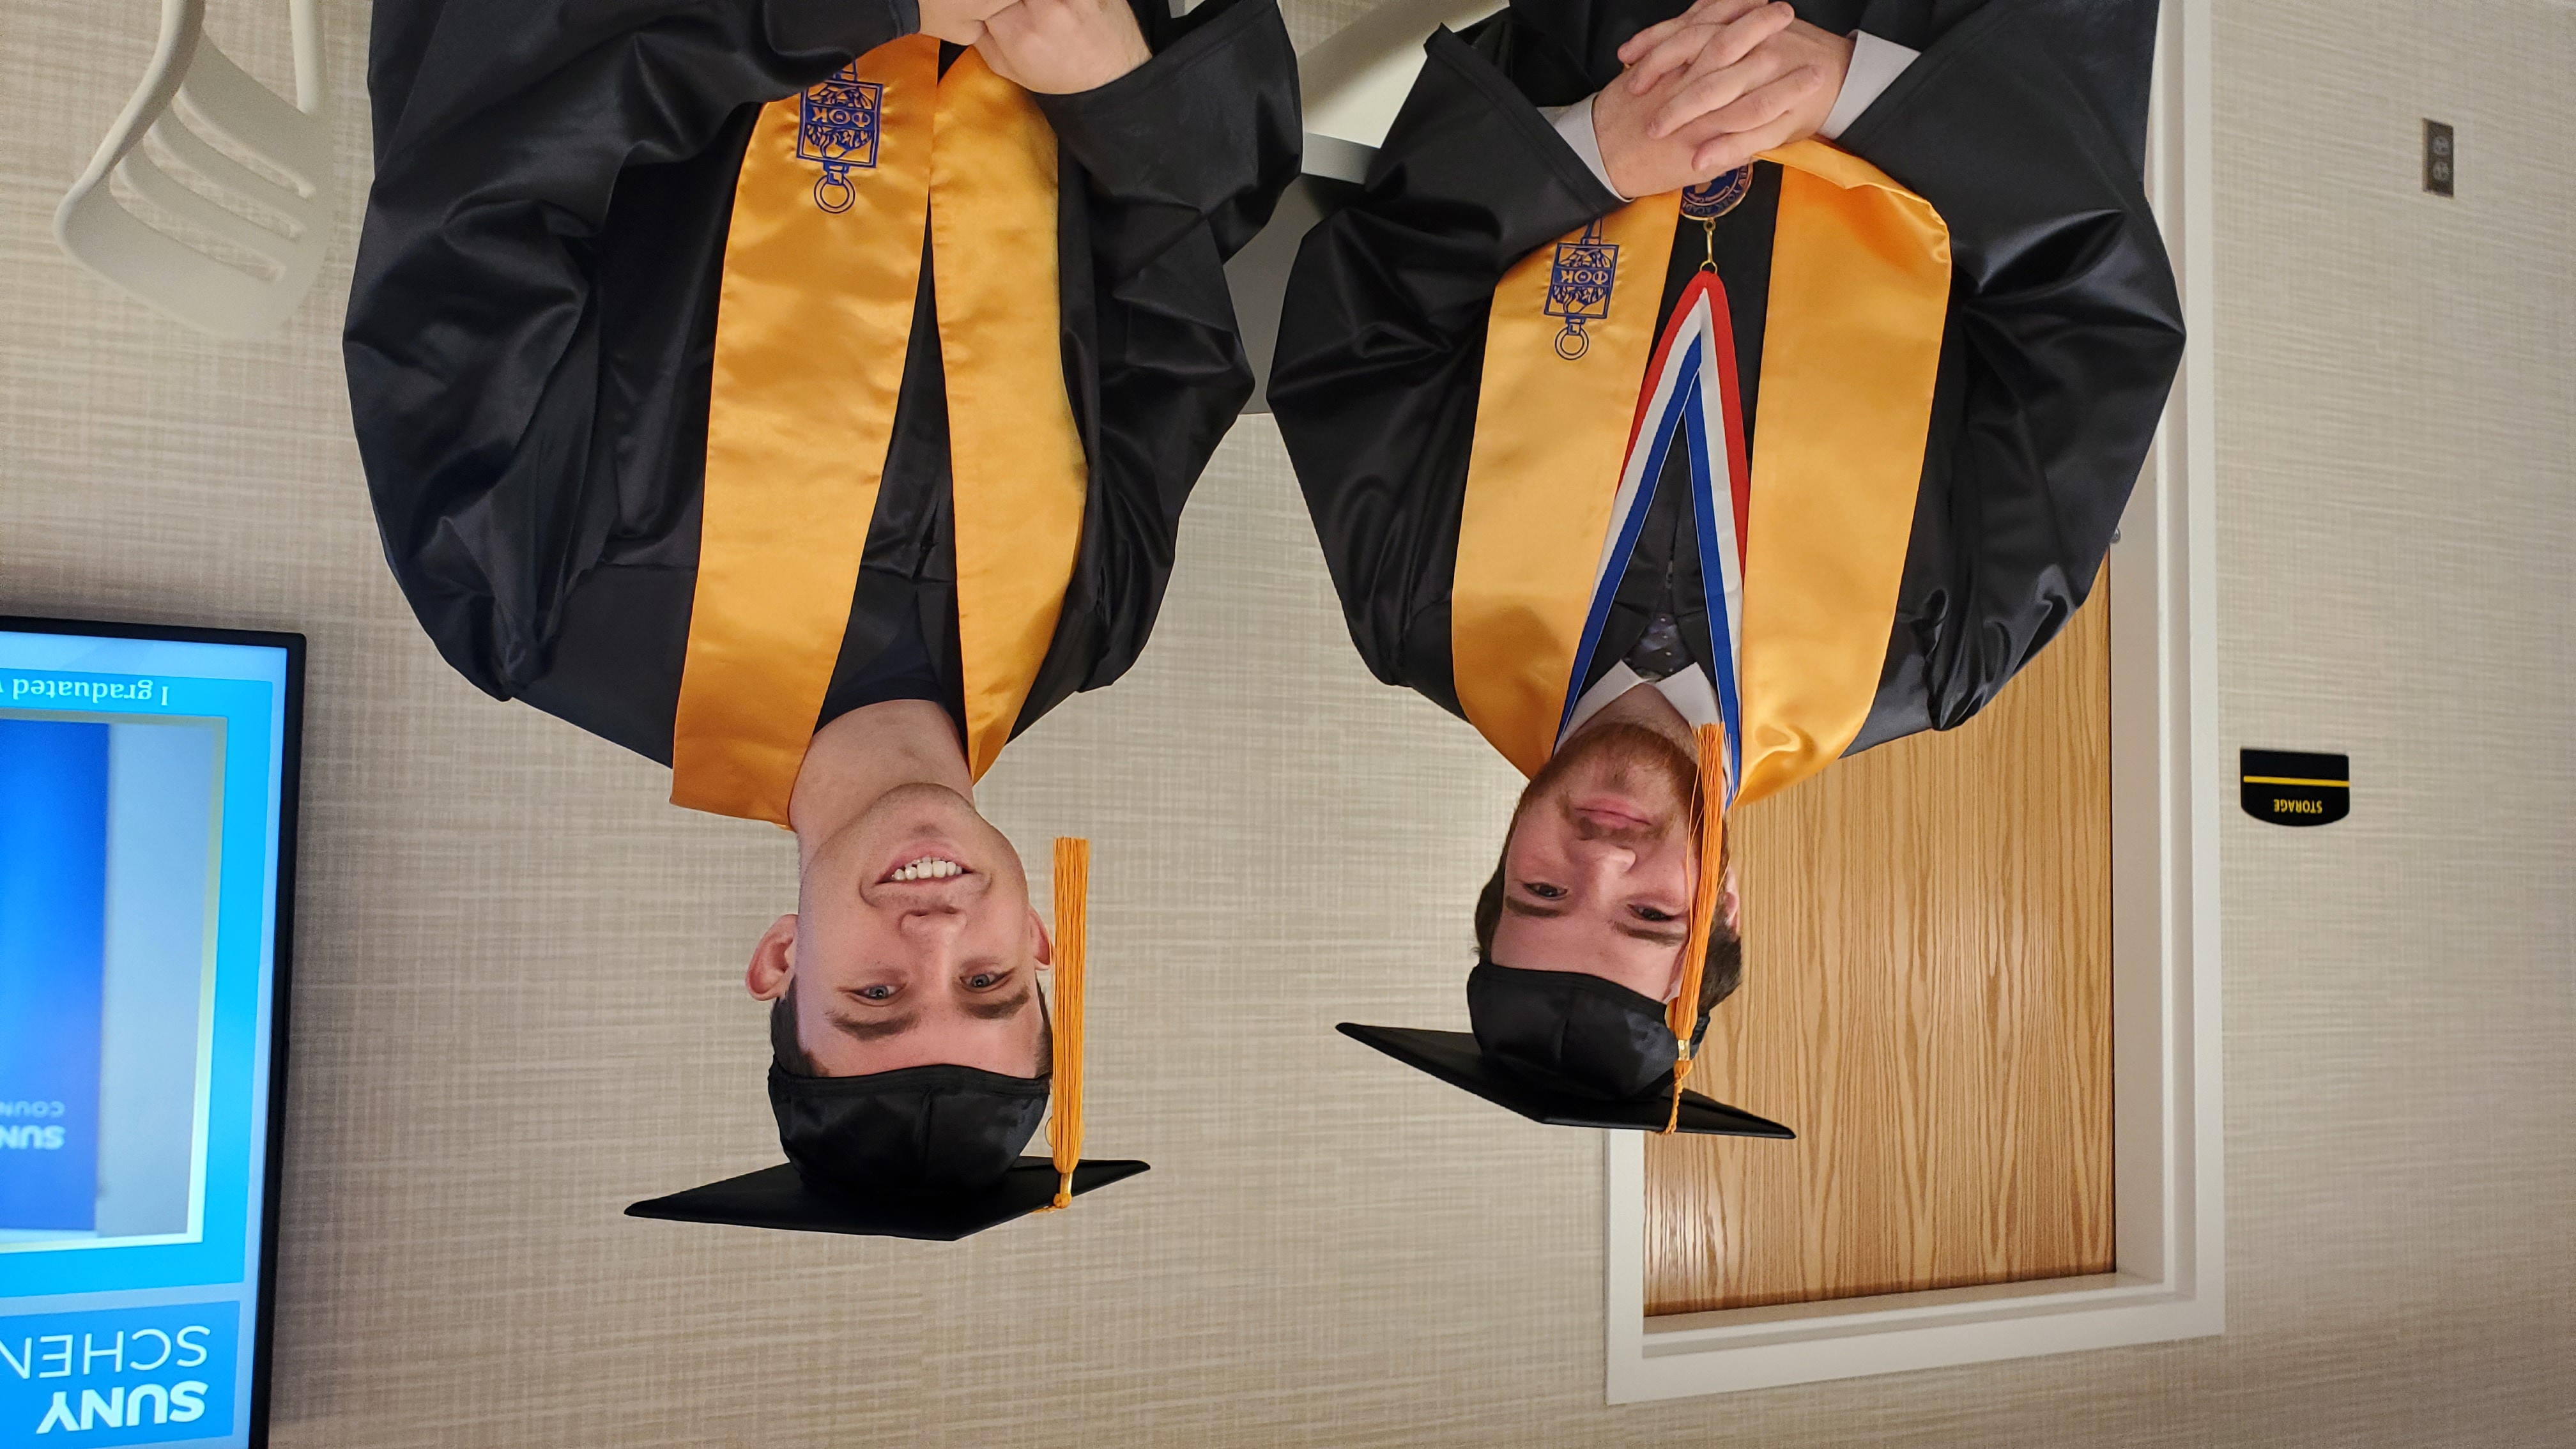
<point x="1690" y="401"/>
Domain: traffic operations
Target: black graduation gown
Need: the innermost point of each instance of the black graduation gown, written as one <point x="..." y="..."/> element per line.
<point x="2022" y="121"/>
<point x="531" y="328"/>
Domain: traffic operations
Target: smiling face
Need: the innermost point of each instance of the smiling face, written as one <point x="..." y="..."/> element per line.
<point x="912" y="944"/>
<point x="1597" y="870"/>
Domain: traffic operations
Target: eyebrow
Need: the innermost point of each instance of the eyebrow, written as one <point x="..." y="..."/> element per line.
<point x="1519" y="907"/>
<point x="997" y="1010"/>
<point x="876" y="1030"/>
<point x="1660" y="938"/>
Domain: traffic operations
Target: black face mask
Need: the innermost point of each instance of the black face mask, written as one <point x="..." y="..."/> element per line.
<point x="914" y="1131"/>
<point x="1572" y="1032"/>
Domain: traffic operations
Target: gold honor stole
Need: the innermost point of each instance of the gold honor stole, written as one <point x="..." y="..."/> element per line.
<point x="1860" y="289"/>
<point x="821" y="270"/>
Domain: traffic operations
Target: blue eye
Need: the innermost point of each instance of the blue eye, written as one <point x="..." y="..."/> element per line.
<point x="983" y="981"/>
<point x="878" y="992"/>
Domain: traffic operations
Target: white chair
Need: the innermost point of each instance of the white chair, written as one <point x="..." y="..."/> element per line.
<point x="1357" y="78"/>
<point x="234" y="273"/>
<point x="1353" y="84"/>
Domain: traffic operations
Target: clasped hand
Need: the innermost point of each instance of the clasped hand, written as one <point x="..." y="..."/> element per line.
<point x="1055" y="47"/>
<point x="1710" y="89"/>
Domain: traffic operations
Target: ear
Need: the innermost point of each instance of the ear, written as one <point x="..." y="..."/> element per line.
<point x="1729" y="909"/>
<point x="1045" y="941"/>
<point x="773" y="960"/>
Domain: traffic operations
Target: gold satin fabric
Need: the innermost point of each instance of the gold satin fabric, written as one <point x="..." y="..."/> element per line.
<point x="1551" y="436"/>
<point x="814" y="319"/>
<point x="1860" y="286"/>
<point x="1861" y="268"/>
<point x="1012" y="448"/>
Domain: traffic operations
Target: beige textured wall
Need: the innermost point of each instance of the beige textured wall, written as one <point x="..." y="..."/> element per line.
<point x="516" y="1011"/>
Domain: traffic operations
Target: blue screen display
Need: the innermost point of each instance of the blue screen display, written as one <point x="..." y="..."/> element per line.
<point x="144" y="793"/>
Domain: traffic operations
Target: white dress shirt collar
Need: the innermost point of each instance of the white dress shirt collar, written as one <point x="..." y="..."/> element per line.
<point x="1689" y="692"/>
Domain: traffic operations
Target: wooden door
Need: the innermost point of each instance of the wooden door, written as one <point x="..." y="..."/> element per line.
<point x="1927" y="1001"/>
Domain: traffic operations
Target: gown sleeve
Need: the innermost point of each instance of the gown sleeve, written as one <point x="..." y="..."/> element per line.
<point x="1382" y="339"/>
<point x="1179" y="163"/>
<point x="2024" y="126"/>
<point x="472" y="338"/>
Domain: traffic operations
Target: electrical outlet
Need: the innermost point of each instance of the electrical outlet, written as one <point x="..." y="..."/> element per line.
<point x="2441" y="157"/>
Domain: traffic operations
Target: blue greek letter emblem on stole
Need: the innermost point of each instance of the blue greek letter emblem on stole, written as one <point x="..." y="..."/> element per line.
<point x="837" y="128"/>
<point x="1578" y="287"/>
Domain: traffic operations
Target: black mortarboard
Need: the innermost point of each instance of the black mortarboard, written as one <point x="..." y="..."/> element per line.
<point x="776" y="1197"/>
<point x="1566" y="1049"/>
<point x="923" y="1152"/>
<point x="1572" y="1049"/>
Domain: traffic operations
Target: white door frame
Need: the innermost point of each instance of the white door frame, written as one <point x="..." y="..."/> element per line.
<point x="2166" y="770"/>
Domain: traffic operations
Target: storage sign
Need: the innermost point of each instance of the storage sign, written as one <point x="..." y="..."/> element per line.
<point x="2289" y="787"/>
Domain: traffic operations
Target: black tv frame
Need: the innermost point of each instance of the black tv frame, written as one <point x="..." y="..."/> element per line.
<point x="289" y="789"/>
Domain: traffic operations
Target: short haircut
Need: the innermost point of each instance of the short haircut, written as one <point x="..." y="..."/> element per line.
<point x="1718" y="980"/>
<point x="789" y="1049"/>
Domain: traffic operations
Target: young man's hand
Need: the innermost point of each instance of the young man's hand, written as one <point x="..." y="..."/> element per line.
<point x="959" y="22"/>
<point x="1733" y="78"/>
<point x="1669" y="44"/>
<point x="1057" y="47"/>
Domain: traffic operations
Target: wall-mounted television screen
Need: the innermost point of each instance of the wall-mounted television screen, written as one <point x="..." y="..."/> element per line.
<point x="147" y="838"/>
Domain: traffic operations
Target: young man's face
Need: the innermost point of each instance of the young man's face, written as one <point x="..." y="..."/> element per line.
<point x="913" y="944"/>
<point x="1597" y="870"/>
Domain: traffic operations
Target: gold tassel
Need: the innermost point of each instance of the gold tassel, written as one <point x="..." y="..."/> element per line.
<point x="1709" y="820"/>
<point x="1072" y="900"/>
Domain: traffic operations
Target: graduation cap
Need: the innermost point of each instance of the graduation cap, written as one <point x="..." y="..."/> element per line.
<point x="1571" y="1049"/>
<point x="930" y="1152"/>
